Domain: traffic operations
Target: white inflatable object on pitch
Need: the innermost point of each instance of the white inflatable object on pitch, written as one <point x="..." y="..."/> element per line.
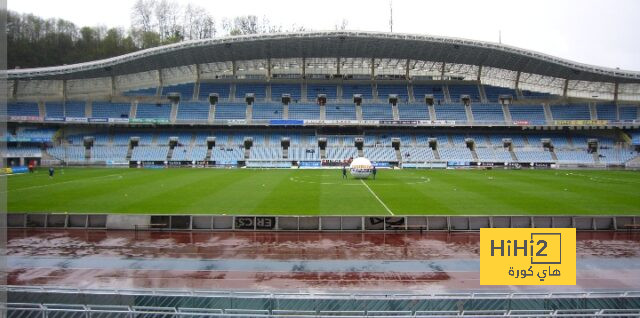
<point x="361" y="168"/>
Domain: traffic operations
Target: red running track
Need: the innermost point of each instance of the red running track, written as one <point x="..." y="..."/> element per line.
<point x="597" y="251"/>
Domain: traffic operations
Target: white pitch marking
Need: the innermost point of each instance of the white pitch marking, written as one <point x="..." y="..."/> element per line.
<point x="374" y="194"/>
<point x="63" y="182"/>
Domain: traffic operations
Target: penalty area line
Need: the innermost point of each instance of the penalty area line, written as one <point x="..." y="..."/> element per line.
<point x="375" y="196"/>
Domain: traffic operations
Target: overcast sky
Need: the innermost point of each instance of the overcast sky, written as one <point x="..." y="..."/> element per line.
<point x="604" y="33"/>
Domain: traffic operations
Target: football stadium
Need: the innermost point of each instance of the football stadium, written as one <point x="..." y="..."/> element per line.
<point x="317" y="174"/>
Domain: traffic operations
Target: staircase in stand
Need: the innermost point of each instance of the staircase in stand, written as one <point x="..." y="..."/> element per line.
<point x="208" y="156"/>
<point x="170" y="153"/>
<point x="436" y="154"/>
<point x="513" y="156"/>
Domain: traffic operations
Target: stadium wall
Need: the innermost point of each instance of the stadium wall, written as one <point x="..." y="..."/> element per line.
<point x="316" y="223"/>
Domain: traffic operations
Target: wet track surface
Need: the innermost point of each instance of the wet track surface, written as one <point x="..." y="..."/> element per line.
<point x="434" y="262"/>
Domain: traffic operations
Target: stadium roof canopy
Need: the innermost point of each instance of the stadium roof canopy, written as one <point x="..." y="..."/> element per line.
<point x="334" y="44"/>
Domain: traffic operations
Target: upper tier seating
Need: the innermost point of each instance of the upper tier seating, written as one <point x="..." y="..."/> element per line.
<point x="348" y="90"/>
<point x="313" y="90"/>
<point x="231" y="111"/>
<point x="419" y="91"/>
<point x="207" y="88"/>
<point x="570" y="112"/>
<point x="277" y="90"/>
<point x="487" y="112"/>
<point x="493" y="92"/>
<point x="534" y="114"/>
<point x="413" y="112"/>
<point x="384" y="90"/>
<point x="607" y="112"/>
<point x="377" y="112"/>
<point x="340" y="112"/>
<point x="153" y="111"/>
<point x="185" y="90"/>
<point x="628" y="113"/>
<point x="304" y="111"/>
<point x="451" y="112"/>
<point x="193" y="111"/>
<point x="267" y="111"/>
<point x="456" y="92"/>
<point x="151" y="91"/>
<point x="23" y="109"/>
<point x="110" y="110"/>
<point x="259" y="90"/>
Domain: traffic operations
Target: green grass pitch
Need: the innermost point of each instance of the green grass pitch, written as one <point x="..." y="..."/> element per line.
<point x="324" y="192"/>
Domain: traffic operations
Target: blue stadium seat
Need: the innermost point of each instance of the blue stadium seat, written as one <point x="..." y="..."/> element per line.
<point x="628" y="113"/>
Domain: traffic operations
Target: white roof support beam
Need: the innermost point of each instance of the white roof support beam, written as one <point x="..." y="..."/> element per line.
<point x="615" y="92"/>
<point x="565" y="88"/>
<point x="518" y="80"/>
<point x="479" y="72"/>
<point x="373" y="68"/>
<point x="407" y="68"/>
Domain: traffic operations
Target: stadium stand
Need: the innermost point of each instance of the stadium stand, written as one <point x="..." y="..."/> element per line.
<point x="532" y="155"/>
<point x="231" y="111"/>
<point x="193" y="111"/>
<point x="150" y="153"/>
<point x="227" y="154"/>
<point x="493" y="154"/>
<point x="186" y="90"/>
<point x="304" y="111"/>
<point x="455" y="153"/>
<point x="223" y="90"/>
<point x="340" y="112"/>
<point x="451" y="112"/>
<point x="341" y="153"/>
<point x="154" y="111"/>
<point x="533" y="114"/>
<point x="313" y="90"/>
<point x="606" y="112"/>
<point x="527" y="94"/>
<point x="277" y="90"/>
<point x="109" y="153"/>
<point x="304" y="153"/>
<point x="383" y="154"/>
<point x="142" y="92"/>
<point x="417" y="154"/>
<point x="628" y="113"/>
<point x="419" y="91"/>
<point x="457" y="91"/>
<point x="570" y="112"/>
<point x="267" y="111"/>
<point x="377" y="112"/>
<point x="384" y="90"/>
<point x="493" y="92"/>
<point x="110" y="110"/>
<point x="487" y="113"/>
<point x="348" y="90"/>
<point x="413" y="112"/>
<point x="259" y="90"/>
<point x="23" y="109"/>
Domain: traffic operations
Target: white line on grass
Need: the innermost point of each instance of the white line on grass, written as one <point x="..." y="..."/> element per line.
<point x="374" y="194"/>
<point x="63" y="182"/>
